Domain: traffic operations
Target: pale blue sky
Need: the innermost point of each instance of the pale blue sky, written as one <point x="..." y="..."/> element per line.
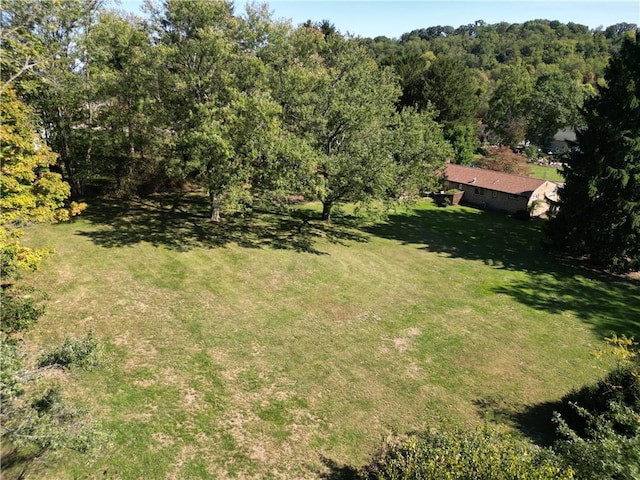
<point x="370" y="18"/>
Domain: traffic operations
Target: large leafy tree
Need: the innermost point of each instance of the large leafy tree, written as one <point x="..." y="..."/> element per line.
<point x="30" y="191"/>
<point x="60" y="86"/>
<point x="224" y="119"/>
<point x="340" y="104"/>
<point x="599" y="215"/>
<point x="420" y="151"/>
<point x="355" y="101"/>
<point x="507" y="115"/>
<point x="128" y="114"/>
<point x="553" y="104"/>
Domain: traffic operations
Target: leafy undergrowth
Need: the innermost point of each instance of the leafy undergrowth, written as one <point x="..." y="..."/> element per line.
<point x="277" y="346"/>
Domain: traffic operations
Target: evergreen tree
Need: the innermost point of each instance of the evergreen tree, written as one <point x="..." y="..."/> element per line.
<point x="600" y="212"/>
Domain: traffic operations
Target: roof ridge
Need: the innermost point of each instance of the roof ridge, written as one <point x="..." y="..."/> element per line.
<point x="494" y="171"/>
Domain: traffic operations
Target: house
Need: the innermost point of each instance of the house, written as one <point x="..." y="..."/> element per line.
<point x="563" y="140"/>
<point x="501" y="191"/>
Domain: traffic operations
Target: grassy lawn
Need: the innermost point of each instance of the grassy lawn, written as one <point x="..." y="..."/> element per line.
<point x="546" y="173"/>
<point x="274" y="346"/>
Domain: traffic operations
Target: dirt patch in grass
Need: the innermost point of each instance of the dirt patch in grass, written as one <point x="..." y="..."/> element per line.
<point x="162" y="440"/>
<point x="186" y="454"/>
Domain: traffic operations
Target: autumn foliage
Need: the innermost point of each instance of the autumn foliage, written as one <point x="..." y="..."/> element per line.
<point x="503" y="159"/>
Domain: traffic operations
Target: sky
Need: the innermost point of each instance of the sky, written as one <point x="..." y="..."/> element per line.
<point x="372" y="18"/>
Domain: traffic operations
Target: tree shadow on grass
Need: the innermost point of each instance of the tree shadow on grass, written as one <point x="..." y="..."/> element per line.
<point x="533" y="421"/>
<point x="181" y="222"/>
<point x="605" y="302"/>
<point x="335" y="471"/>
<point x="22" y="463"/>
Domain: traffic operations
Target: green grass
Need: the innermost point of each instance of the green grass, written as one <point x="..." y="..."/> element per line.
<point x="546" y="173"/>
<point x="275" y="346"/>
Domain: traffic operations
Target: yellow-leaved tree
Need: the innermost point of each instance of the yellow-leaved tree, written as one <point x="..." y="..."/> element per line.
<point x="30" y="192"/>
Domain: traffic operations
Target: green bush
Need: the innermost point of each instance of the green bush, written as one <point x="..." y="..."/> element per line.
<point x="609" y="446"/>
<point x="48" y="423"/>
<point x="482" y="455"/>
<point x="599" y="425"/>
<point x="11" y="366"/>
<point x="83" y="353"/>
<point x="620" y="386"/>
<point x="20" y="309"/>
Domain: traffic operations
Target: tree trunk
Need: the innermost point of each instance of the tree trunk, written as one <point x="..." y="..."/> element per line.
<point x="326" y="211"/>
<point x="216" y="203"/>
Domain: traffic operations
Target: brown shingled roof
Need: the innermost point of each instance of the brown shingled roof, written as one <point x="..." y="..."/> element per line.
<point x="491" y="180"/>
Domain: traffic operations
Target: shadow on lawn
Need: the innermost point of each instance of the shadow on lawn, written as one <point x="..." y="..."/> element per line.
<point x="607" y="303"/>
<point x="534" y="421"/>
<point x="335" y="471"/>
<point x="181" y="222"/>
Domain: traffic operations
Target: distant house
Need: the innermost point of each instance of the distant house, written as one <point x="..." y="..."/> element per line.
<point x="563" y="140"/>
<point x="501" y="191"/>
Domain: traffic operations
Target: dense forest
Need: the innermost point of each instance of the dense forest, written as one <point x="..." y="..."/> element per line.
<point x="524" y="81"/>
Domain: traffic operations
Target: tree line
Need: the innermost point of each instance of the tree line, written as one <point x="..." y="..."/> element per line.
<point x="521" y="82"/>
<point x="240" y="105"/>
<point x="247" y="106"/>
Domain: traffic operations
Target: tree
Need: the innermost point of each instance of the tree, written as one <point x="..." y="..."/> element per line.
<point x="341" y="105"/>
<point x="553" y="104"/>
<point x="356" y="104"/>
<point x="453" y="90"/>
<point x="128" y="117"/>
<point x="21" y="52"/>
<point x="61" y="89"/>
<point x="599" y="214"/>
<point x="420" y="151"/>
<point x="503" y="159"/>
<point x="226" y="124"/>
<point x="412" y="70"/>
<point x="508" y="105"/>
<point x="30" y="192"/>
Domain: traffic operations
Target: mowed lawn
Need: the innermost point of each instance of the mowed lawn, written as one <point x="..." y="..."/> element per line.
<point x="551" y="174"/>
<point x="276" y="346"/>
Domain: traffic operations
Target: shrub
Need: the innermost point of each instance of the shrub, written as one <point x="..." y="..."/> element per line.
<point x="10" y="372"/>
<point x="20" y="309"/>
<point x="621" y="386"/>
<point x="503" y="159"/>
<point x="607" y="448"/>
<point x="599" y="425"/>
<point x="48" y="423"/>
<point x="82" y="353"/>
<point x="460" y="456"/>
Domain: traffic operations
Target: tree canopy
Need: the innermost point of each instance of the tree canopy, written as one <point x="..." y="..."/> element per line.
<point x="599" y="215"/>
<point x="30" y="191"/>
